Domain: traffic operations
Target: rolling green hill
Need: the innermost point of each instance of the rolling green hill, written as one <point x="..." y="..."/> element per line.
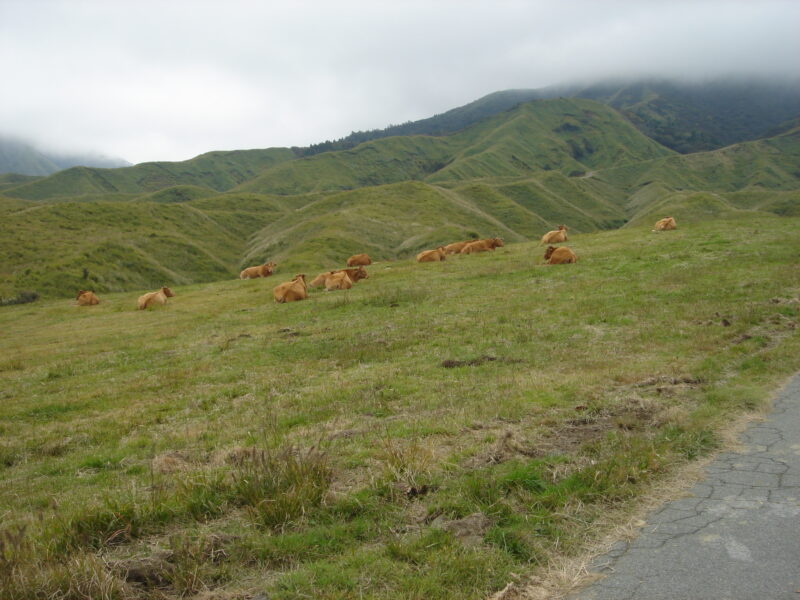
<point x="217" y="171"/>
<point x="514" y="175"/>
<point x="58" y="248"/>
<point x="571" y="136"/>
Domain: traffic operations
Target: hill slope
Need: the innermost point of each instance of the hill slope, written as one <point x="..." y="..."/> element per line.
<point x="571" y="136"/>
<point x="58" y="248"/>
<point x="437" y="431"/>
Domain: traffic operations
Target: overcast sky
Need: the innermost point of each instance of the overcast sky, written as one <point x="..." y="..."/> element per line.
<point x="170" y="79"/>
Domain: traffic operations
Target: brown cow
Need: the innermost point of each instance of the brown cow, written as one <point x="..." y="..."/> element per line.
<point x="456" y="247"/>
<point x="432" y="255"/>
<point x="665" y="224"/>
<point x="559" y="256"/>
<point x="87" y="298"/>
<point x="482" y="245"/>
<point x="555" y="237"/>
<point x="359" y="260"/>
<point x="264" y="270"/>
<point x="319" y="280"/>
<point x="354" y="275"/>
<point x="157" y="298"/>
<point x="338" y="281"/>
<point x="291" y="291"/>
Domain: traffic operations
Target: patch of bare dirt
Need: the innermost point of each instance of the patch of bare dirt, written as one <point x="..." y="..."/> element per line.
<point x="157" y="568"/>
<point x="718" y="319"/>
<point x="151" y="571"/>
<point x="469" y="530"/>
<point x="174" y="461"/>
<point x="629" y="412"/>
<point x="473" y="362"/>
<point x="668" y="380"/>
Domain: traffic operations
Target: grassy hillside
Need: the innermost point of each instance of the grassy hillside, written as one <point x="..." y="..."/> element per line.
<point x="56" y="249"/>
<point x="435" y="432"/>
<point x="162" y="238"/>
<point x="387" y="222"/>
<point x="760" y="175"/>
<point x="515" y="175"/>
<point x="571" y="136"/>
<point x="373" y="163"/>
<point x="218" y="171"/>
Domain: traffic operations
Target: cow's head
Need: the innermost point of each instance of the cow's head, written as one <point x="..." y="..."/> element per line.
<point x="80" y="293"/>
<point x="167" y="292"/>
<point x="562" y="228"/>
<point x="549" y="252"/>
<point x="497" y="243"/>
<point x="360" y="273"/>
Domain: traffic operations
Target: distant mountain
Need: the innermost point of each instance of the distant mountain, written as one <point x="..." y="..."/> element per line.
<point x="216" y="171"/>
<point x="685" y="117"/>
<point x="22" y="158"/>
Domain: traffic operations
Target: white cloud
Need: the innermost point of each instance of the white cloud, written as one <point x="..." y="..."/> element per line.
<point x="152" y="80"/>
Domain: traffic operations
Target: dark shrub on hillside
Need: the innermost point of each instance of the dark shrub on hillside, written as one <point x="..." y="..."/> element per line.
<point x="21" y="298"/>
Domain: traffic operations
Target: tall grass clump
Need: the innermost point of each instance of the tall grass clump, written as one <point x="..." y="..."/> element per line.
<point x="26" y="575"/>
<point x="280" y="486"/>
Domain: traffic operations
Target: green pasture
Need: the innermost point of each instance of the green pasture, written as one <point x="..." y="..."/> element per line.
<point x="428" y="434"/>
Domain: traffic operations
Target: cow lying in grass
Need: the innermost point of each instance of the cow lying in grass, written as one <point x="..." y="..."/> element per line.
<point x="355" y="275"/>
<point x="482" y="245"/>
<point x="359" y="260"/>
<point x="87" y="298"/>
<point x="291" y="291"/>
<point x="665" y="224"/>
<point x="338" y="281"/>
<point x="559" y="256"/>
<point x="557" y="236"/>
<point x="264" y="270"/>
<point x="456" y="247"/>
<point x="157" y="298"/>
<point x="432" y="255"/>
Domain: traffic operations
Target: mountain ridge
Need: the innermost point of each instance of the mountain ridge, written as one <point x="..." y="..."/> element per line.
<point x="684" y="116"/>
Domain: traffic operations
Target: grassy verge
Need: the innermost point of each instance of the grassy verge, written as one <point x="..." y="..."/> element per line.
<point x="425" y="434"/>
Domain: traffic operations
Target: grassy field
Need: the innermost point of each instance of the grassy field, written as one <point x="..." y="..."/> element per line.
<point x="427" y="434"/>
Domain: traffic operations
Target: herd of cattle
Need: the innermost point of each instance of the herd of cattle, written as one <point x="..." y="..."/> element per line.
<point x="343" y="279"/>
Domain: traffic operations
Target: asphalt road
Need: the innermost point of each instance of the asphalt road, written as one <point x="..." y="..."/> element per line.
<point x="736" y="536"/>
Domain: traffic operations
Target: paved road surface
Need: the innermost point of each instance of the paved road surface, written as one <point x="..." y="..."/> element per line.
<point x="735" y="537"/>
